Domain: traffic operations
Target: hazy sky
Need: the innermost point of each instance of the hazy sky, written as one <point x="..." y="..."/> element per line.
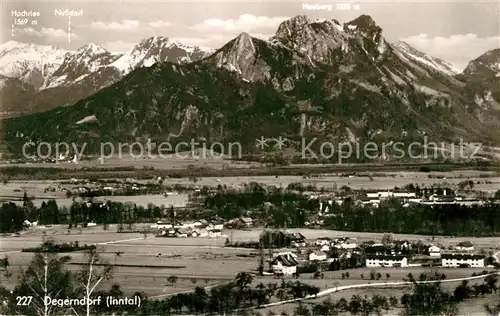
<point x="456" y="31"/>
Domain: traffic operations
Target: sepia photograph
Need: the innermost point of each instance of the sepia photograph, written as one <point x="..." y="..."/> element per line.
<point x="250" y="158"/>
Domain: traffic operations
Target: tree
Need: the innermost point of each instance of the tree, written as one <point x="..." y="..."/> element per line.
<point x="367" y="307"/>
<point x="92" y="274"/>
<point x="428" y="299"/>
<point x="11" y="218"/>
<point x="342" y="305"/>
<point x="497" y="195"/>
<point x="281" y="294"/>
<point x="462" y="292"/>
<point x="302" y="310"/>
<point x="172" y="279"/>
<point x="326" y="308"/>
<point x="242" y="282"/>
<point x="393" y="301"/>
<point x="492" y="280"/>
<point x="4" y="263"/>
<point x="380" y="302"/>
<point x="355" y="304"/>
<point x="45" y="276"/>
<point x="243" y="279"/>
<point x="388" y="240"/>
<point x="200" y="299"/>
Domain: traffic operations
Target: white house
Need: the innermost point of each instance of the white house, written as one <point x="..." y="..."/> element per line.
<point x="464" y="246"/>
<point x="288" y="254"/>
<point x="434" y="251"/>
<point x="284" y="265"/>
<point x="214" y="233"/>
<point x="161" y="225"/>
<point x="317" y="256"/>
<point x="181" y="232"/>
<point x="346" y="245"/>
<point x="322" y="241"/>
<point x="298" y="244"/>
<point x="386" y="261"/>
<point x="213" y="226"/>
<point x="404" y="194"/>
<point x="457" y="260"/>
<point x="325" y="248"/>
<point x="202" y="232"/>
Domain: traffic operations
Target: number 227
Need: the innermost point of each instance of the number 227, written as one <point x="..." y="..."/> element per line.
<point x="24" y="300"/>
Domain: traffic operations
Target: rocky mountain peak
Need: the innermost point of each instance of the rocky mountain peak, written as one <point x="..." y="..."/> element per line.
<point x="319" y="39"/>
<point x="244" y="43"/>
<point x="238" y="55"/>
<point x="486" y="64"/>
<point x="364" y="22"/>
<point x="364" y="25"/>
<point x="92" y="48"/>
<point x="151" y="42"/>
<point x="293" y="23"/>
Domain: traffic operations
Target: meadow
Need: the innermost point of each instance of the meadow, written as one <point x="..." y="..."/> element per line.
<point x="483" y="180"/>
<point x="141" y="264"/>
<point x="146" y="263"/>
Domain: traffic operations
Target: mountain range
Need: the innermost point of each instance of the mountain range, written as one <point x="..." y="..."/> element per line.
<point x="313" y="78"/>
<point x="52" y="77"/>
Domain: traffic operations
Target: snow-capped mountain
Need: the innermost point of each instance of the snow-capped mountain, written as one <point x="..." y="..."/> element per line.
<point x="58" y="78"/>
<point x="44" y="66"/>
<point x="30" y="63"/>
<point x="433" y="62"/>
<point x="76" y="66"/>
<point x="158" y="49"/>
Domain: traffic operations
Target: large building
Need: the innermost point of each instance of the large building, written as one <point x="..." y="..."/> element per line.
<point x="465" y="260"/>
<point x="386" y="261"/>
<point x="390" y="194"/>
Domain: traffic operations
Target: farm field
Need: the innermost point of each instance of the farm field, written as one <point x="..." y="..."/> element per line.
<point x="181" y="161"/>
<point x="484" y="180"/>
<point x="143" y="264"/>
<point x="98" y="234"/>
<point x="14" y="191"/>
<point x="388" y="181"/>
<point x="179" y="200"/>
<point x="195" y="261"/>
